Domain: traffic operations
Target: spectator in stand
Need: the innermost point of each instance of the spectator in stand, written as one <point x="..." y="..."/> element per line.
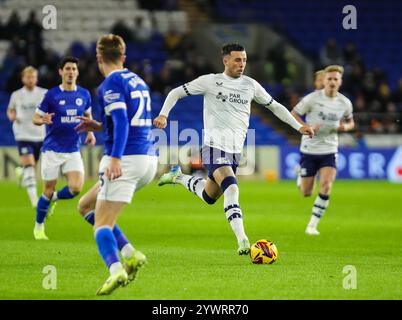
<point x="122" y="30"/>
<point x="354" y="75"/>
<point x="11" y="61"/>
<point x="331" y="54"/>
<point x="151" y="5"/>
<point x="173" y="40"/>
<point x="13" y="27"/>
<point x="397" y="96"/>
<point x="158" y="4"/>
<point x="384" y="95"/>
<point x="34" y="51"/>
<point x="164" y="80"/>
<point x="33" y="27"/>
<point x="142" y="29"/>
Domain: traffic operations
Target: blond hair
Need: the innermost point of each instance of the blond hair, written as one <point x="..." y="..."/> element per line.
<point x="319" y="73"/>
<point x="111" y="47"/>
<point x="334" y="68"/>
<point x="28" y="69"/>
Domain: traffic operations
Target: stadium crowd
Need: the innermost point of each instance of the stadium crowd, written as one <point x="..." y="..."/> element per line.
<point x="375" y="104"/>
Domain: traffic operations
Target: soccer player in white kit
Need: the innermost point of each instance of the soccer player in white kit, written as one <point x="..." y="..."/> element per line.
<point x="227" y="101"/>
<point x="329" y="112"/>
<point x="29" y="137"/>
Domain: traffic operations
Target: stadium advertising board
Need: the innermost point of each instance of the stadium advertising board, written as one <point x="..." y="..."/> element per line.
<point x="356" y="163"/>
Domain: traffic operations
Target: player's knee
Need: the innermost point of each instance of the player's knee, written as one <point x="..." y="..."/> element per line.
<point x="229" y="183"/>
<point x="207" y="198"/>
<point x="325" y="187"/>
<point x="75" y="189"/>
<point x="306" y="190"/>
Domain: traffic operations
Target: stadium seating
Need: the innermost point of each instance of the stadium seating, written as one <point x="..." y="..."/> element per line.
<point x="311" y="23"/>
<point x="80" y="23"/>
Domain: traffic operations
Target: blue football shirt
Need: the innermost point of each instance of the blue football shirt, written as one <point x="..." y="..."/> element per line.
<point x="123" y="89"/>
<point x="66" y="106"/>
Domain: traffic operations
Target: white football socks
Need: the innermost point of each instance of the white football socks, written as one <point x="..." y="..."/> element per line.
<point x="29" y="182"/>
<point x="193" y="184"/>
<point x="319" y="207"/>
<point x="233" y="211"/>
<point x="127" y="251"/>
<point x="114" y="267"/>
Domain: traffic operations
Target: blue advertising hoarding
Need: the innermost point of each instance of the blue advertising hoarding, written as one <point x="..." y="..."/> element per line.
<point x="356" y="163"/>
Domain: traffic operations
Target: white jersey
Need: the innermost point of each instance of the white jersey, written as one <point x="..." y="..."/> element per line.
<point x="227" y="103"/>
<point x="25" y="102"/>
<point x="326" y="112"/>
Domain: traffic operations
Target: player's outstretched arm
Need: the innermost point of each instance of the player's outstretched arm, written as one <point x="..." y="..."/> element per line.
<point x="171" y="99"/>
<point x="282" y="113"/>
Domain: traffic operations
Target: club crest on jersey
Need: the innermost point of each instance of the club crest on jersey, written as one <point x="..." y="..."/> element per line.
<point x="62" y="102"/>
<point x="221" y="96"/>
<point x="79" y="102"/>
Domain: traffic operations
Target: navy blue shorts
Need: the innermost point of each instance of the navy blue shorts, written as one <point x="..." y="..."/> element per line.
<point x="29" y="147"/>
<point x="213" y="159"/>
<point x="311" y="163"/>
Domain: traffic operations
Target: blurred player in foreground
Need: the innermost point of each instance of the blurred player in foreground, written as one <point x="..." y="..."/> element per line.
<point x="29" y="137"/>
<point x="61" y="148"/>
<point x="329" y="112"/>
<point x="227" y="101"/>
<point x="129" y="162"/>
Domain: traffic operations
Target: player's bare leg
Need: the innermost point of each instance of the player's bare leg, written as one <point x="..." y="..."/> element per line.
<point x="307" y="186"/>
<point x="226" y="179"/>
<point x="87" y="203"/>
<point x="327" y="177"/>
<point x="75" y="182"/>
<point x="42" y="209"/>
<point x="212" y="189"/>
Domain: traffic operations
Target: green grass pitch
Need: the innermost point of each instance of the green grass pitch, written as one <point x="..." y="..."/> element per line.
<point x="191" y="249"/>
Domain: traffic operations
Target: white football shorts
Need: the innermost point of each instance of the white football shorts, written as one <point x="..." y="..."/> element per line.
<point x="54" y="162"/>
<point x="137" y="172"/>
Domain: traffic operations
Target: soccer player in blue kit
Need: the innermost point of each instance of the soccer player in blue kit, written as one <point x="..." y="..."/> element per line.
<point x="59" y="110"/>
<point x="129" y="162"/>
